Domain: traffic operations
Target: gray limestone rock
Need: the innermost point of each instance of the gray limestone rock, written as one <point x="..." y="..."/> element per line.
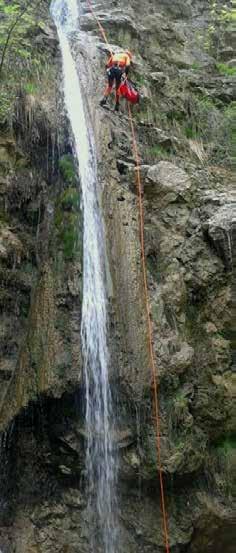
<point x="221" y="229"/>
<point x="168" y="179"/>
<point x="188" y="219"/>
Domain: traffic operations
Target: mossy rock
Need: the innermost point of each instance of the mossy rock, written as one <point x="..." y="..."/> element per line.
<point x="70" y="235"/>
<point x="70" y="199"/>
<point x="227" y="445"/>
<point x="68" y="222"/>
<point x="67" y="169"/>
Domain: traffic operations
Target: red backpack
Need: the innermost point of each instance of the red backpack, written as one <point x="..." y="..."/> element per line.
<point x="128" y="91"/>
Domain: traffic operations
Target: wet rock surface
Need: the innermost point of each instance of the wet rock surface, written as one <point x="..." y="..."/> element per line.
<point x="189" y="209"/>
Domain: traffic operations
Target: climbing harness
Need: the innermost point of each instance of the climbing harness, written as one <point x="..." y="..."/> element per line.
<point x="156" y="409"/>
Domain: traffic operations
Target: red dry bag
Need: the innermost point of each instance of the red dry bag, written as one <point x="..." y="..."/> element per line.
<point x="128" y="91"/>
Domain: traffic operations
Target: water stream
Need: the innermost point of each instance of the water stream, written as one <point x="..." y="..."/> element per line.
<point x="100" y="464"/>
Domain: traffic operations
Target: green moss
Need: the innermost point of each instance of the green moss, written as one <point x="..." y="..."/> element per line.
<point x="4" y="218"/>
<point x="67" y="169"/>
<point x="67" y="203"/>
<point x="69" y="235"/>
<point x="230" y="110"/>
<point x="158" y="151"/>
<point x="191" y="132"/>
<point x="224" y="69"/>
<point x="227" y="445"/>
<point x="195" y="66"/>
<point x="70" y="199"/>
<point x="68" y="223"/>
<point x="194" y="328"/>
<point x="154" y="266"/>
<point x="232" y="15"/>
<point x="30" y="88"/>
<point x="206" y="103"/>
<point x="176" y="116"/>
<point x="58" y="218"/>
<point x="139" y="79"/>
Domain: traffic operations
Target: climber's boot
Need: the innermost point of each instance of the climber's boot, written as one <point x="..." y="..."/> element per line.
<point x="103" y="101"/>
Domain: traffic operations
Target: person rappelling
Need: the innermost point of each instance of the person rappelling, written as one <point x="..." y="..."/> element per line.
<point x="118" y="67"/>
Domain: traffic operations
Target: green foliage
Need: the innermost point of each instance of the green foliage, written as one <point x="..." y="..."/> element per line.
<point x="155" y="152"/>
<point x="25" y="64"/>
<point x="221" y="465"/>
<point x="139" y="79"/>
<point x="67" y="169"/>
<point x="195" y="66"/>
<point x="227" y="445"/>
<point x="224" y="69"/>
<point x="190" y="132"/>
<point x="4" y="218"/>
<point x="69" y="236"/>
<point x="5" y="105"/>
<point x="15" y="17"/>
<point x="158" y="151"/>
<point x="231" y="16"/>
<point x="70" y="199"/>
<point x="67" y="222"/>
<point x="208" y="121"/>
<point x="221" y="17"/>
<point x="30" y="88"/>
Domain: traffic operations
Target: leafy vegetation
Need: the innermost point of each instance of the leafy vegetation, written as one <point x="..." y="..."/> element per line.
<point x="220" y="465"/>
<point x="5" y="105"/>
<point x="209" y="122"/>
<point x="69" y="235"/>
<point x="196" y="66"/>
<point x="67" y="169"/>
<point x="221" y="17"/>
<point x="22" y="59"/>
<point x="67" y="222"/>
<point x="30" y="88"/>
<point x="138" y="78"/>
<point x="18" y="20"/>
<point x="70" y="199"/>
<point x="190" y="131"/>
<point x="227" y="445"/>
<point x="224" y="69"/>
<point x="156" y="152"/>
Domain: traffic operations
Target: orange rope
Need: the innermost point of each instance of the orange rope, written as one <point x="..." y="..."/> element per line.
<point x="148" y="310"/>
<point x="150" y="330"/>
<point x="99" y="25"/>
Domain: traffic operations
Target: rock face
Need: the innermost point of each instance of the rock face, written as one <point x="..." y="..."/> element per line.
<point x="221" y="229"/>
<point x="168" y="178"/>
<point x="185" y="146"/>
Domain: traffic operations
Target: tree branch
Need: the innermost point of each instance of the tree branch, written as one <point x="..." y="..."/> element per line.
<point x="11" y="29"/>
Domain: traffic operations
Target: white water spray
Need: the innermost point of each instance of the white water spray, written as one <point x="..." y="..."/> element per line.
<point x="100" y="465"/>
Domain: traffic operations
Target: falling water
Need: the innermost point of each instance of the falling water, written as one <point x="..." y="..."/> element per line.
<point x="100" y="465"/>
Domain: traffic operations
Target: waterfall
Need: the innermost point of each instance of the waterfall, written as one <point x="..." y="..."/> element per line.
<point x="100" y="465"/>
